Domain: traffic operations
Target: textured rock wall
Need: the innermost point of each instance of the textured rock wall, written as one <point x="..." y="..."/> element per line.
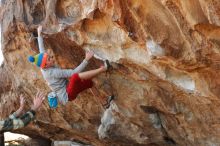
<point x="165" y="55"/>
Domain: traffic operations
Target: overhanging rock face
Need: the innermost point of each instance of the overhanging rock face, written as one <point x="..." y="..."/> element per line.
<point x="166" y="60"/>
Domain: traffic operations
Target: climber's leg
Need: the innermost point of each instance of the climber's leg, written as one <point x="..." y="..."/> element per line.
<point x="93" y="73"/>
<point x="97" y="94"/>
<point x="82" y="81"/>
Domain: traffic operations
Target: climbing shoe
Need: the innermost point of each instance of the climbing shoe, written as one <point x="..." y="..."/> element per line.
<point x="107" y="65"/>
<point x="108" y="101"/>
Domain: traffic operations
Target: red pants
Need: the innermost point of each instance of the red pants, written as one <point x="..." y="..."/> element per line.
<point x="76" y="85"/>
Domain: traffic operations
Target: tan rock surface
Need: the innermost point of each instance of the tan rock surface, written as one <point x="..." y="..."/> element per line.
<point x="165" y="55"/>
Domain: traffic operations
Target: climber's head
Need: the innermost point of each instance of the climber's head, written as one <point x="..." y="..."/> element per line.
<point x="50" y="60"/>
<point x="43" y="60"/>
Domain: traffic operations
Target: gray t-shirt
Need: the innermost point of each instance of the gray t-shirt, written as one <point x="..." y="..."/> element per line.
<point x="57" y="78"/>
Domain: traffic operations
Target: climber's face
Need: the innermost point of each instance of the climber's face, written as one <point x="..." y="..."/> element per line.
<point x="50" y="61"/>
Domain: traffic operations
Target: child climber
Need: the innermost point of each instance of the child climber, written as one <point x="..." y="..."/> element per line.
<point x="57" y="78"/>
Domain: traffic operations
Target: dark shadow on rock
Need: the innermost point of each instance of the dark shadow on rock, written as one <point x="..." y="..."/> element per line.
<point x="169" y="140"/>
<point x="149" y="109"/>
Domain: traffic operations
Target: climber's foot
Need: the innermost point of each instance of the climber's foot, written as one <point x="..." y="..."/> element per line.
<point x="107" y="65"/>
<point x="108" y="101"/>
